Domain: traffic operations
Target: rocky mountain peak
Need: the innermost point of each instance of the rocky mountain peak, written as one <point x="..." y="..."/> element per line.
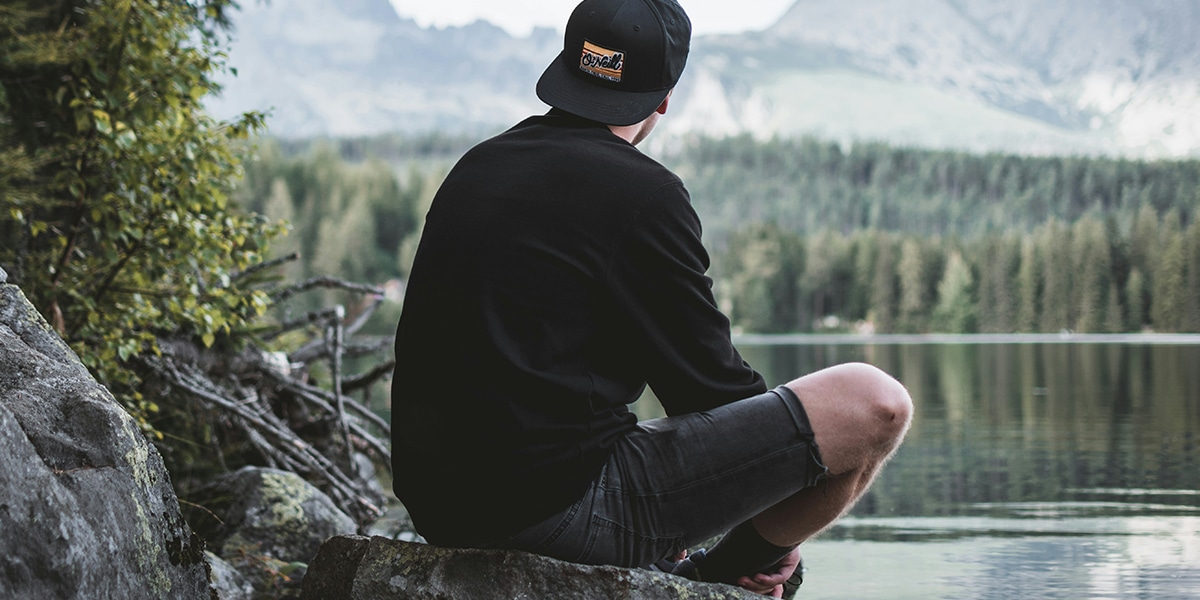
<point x="1042" y="76"/>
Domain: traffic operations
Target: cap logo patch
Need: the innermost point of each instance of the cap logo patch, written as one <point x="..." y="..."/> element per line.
<point x="601" y="62"/>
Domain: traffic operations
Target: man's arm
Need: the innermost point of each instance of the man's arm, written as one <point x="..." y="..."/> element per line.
<point x="658" y="279"/>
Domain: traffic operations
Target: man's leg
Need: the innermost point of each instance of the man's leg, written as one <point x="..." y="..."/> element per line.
<point x="859" y="415"/>
<point x="677" y="481"/>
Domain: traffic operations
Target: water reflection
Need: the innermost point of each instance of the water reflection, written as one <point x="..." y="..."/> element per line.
<point x="1031" y="471"/>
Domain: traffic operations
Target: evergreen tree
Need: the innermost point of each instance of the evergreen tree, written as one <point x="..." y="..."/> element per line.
<point x="1091" y="256"/>
<point x="1143" y="248"/>
<point x="1029" y="284"/>
<point x="1135" y="290"/>
<point x="956" y="308"/>
<point x="828" y="275"/>
<point x="883" y="285"/>
<point x="1054" y="241"/>
<point x="915" y="296"/>
<point x="865" y="252"/>
<point x="353" y="220"/>
<point x="763" y="276"/>
<point x="346" y="241"/>
<point x="1119" y="261"/>
<point x="1167" y="302"/>
<point x="279" y="207"/>
<point x="1114" y="317"/>
<point x="1191" y="321"/>
<point x="998" y="303"/>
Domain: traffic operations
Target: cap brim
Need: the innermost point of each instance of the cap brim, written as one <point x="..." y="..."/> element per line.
<point x="562" y="88"/>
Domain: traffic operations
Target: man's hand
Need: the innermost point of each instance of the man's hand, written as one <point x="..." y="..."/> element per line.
<point x="771" y="584"/>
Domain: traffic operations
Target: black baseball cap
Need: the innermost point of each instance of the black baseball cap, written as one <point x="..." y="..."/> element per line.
<point x="620" y="58"/>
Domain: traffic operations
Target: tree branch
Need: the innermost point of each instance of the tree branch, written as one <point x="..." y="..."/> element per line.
<point x="289" y="449"/>
<point x="252" y="269"/>
<point x="363" y="380"/>
<point x="323" y="281"/>
<point x="322" y="398"/>
<point x="315" y="316"/>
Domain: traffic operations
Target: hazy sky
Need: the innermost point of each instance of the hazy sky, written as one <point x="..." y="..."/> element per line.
<point x="520" y="16"/>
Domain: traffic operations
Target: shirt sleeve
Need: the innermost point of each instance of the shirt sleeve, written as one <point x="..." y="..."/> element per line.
<point x="658" y="278"/>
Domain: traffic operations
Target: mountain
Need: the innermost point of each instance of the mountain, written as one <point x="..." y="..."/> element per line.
<point x="1032" y="76"/>
<point x="356" y="68"/>
<point x="1115" y="75"/>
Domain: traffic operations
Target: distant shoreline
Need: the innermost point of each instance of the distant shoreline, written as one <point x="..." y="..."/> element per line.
<point x="811" y="339"/>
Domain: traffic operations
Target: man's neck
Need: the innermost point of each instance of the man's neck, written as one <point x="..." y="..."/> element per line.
<point x="637" y="132"/>
<point x="628" y="133"/>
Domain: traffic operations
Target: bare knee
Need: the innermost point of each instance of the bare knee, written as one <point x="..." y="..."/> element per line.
<point x="888" y="403"/>
<point x="857" y="411"/>
<point x="883" y="394"/>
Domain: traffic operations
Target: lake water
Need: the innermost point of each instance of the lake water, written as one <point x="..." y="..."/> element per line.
<point x="1036" y="469"/>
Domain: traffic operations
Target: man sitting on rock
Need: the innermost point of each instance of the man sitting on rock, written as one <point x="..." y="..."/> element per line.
<point x="561" y="271"/>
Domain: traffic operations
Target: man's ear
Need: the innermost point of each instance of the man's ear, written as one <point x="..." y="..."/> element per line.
<point x="662" y="108"/>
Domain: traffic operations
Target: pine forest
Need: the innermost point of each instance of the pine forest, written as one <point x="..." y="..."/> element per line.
<point x="807" y="235"/>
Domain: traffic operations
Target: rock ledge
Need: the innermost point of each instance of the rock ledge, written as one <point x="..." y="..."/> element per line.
<point x="358" y="568"/>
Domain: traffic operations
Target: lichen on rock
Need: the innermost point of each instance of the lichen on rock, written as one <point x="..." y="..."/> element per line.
<point x="267" y="512"/>
<point x="86" y="506"/>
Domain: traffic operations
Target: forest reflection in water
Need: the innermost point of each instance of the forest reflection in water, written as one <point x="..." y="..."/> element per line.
<point x="1032" y="470"/>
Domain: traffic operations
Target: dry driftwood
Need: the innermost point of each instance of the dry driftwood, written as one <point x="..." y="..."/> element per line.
<point x="269" y="398"/>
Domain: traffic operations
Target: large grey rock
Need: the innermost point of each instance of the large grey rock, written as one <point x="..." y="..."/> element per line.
<point x="377" y="568"/>
<point x="86" y="507"/>
<point x="270" y="513"/>
<point x="266" y="524"/>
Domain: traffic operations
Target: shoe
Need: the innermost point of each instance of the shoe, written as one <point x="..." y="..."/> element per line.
<point x="688" y="567"/>
<point x="663" y="566"/>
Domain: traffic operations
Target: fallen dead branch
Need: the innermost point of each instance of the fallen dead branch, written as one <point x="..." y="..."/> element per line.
<point x="263" y="405"/>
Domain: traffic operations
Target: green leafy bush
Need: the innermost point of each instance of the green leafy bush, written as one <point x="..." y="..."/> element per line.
<point x="115" y="184"/>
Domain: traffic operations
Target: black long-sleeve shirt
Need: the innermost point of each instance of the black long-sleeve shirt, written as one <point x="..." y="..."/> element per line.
<point x="560" y="271"/>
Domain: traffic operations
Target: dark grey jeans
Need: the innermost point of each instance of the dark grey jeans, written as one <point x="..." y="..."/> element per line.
<point x="677" y="481"/>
